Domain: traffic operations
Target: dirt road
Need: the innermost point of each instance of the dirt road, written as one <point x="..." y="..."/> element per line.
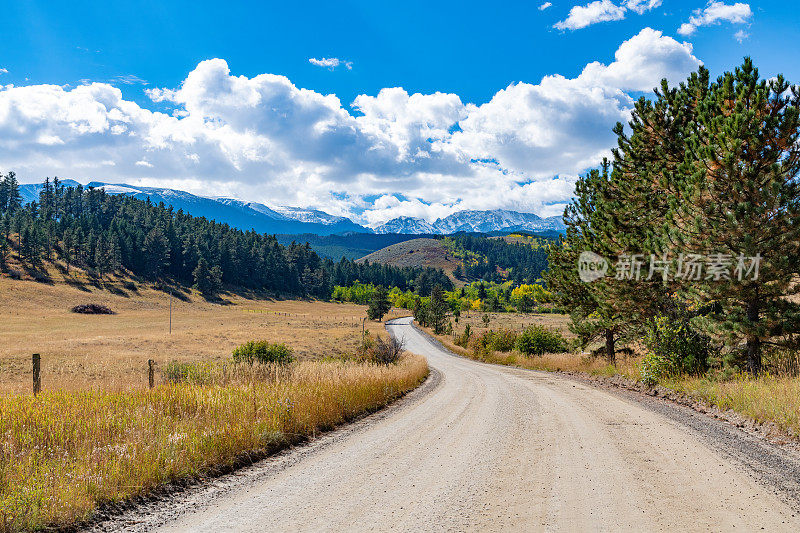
<point x="492" y="448"/>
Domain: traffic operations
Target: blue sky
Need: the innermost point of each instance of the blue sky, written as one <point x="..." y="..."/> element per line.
<point x="469" y="50"/>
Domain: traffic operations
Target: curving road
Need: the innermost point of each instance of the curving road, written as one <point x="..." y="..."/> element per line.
<point x="497" y="449"/>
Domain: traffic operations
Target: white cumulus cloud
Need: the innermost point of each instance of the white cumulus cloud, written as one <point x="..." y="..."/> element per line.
<point x="603" y="11"/>
<point x="715" y="13"/>
<point x="331" y="62"/>
<point x="545" y="6"/>
<point x="264" y="139"/>
<point x="642" y="6"/>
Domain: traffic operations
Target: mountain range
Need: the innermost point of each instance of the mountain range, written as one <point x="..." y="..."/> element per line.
<point x="475" y="221"/>
<point x="296" y="220"/>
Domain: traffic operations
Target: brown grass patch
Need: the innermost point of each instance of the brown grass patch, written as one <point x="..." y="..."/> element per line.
<point x="111" y="351"/>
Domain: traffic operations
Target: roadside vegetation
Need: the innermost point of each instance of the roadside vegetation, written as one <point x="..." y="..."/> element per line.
<point x="702" y="195"/>
<point x="65" y="453"/>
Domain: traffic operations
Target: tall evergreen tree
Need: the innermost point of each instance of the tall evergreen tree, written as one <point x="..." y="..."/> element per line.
<point x="13" y="196"/>
<point x="594" y="313"/>
<point x="379" y="304"/>
<point x="206" y="280"/>
<point x="156" y="253"/>
<point x="742" y="201"/>
<point x="438" y="310"/>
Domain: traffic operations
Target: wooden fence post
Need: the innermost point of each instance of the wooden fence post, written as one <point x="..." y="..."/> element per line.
<point x="37" y="374"/>
<point x="151" y="374"/>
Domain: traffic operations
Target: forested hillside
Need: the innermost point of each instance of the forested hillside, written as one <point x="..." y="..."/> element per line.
<point x="497" y="260"/>
<point x="103" y="233"/>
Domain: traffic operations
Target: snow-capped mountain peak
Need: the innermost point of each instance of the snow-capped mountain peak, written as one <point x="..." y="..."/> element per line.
<point x="474" y="221"/>
<point x="295" y="220"/>
<point x="407" y="225"/>
<point x="309" y="215"/>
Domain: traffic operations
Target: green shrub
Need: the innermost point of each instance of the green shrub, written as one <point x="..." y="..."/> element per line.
<point x="655" y="368"/>
<point x="686" y="350"/>
<point x="463" y="339"/>
<point x="263" y="352"/>
<point x="482" y="345"/>
<point x="504" y="340"/>
<point x="538" y="340"/>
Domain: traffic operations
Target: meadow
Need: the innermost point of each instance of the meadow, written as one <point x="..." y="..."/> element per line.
<point x="110" y="352"/>
<point x="66" y="452"/>
<point x="96" y="434"/>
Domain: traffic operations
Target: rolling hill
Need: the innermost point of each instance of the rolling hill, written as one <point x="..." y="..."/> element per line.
<point x="522" y="258"/>
<point x="422" y="252"/>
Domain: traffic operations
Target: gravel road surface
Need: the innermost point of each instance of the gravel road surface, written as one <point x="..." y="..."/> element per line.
<point x="489" y="448"/>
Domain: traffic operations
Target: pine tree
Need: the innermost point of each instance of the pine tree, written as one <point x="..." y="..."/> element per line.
<point x="3" y="194"/>
<point x="438" y="310"/>
<point x="114" y="254"/>
<point x="156" y="252"/>
<point x="422" y="313"/>
<point x="5" y="228"/>
<point x="594" y="314"/>
<point x="206" y="279"/>
<point x="379" y="304"/>
<point x="742" y="201"/>
<point x="481" y="291"/>
<point x="101" y="256"/>
<point x="13" y="196"/>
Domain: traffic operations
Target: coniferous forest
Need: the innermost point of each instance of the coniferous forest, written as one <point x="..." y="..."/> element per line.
<point x="104" y="233"/>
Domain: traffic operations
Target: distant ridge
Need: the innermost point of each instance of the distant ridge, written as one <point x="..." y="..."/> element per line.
<point x="288" y="220"/>
<point x="236" y="213"/>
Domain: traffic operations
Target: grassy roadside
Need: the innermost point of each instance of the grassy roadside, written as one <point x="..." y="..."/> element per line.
<point x="64" y="453"/>
<point x="549" y="362"/>
<point x="765" y="399"/>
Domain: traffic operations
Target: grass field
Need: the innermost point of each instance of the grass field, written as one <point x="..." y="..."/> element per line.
<point x="97" y="434"/>
<point x="571" y="362"/>
<point x="63" y="453"/>
<point x="111" y="351"/>
<point x="515" y="321"/>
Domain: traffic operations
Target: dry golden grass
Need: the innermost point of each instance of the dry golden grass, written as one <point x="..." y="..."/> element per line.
<point x="763" y="399"/>
<point x="111" y="351"/>
<point x="96" y="434"/>
<point x="63" y="453"/>
<point x="514" y="321"/>
<point x="551" y="362"/>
